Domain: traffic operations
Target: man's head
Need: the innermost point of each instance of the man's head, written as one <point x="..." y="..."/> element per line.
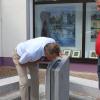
<point x="98" y="5"/>
<point x="52" y="50"/>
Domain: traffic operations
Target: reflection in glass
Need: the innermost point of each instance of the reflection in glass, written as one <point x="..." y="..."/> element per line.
<point x="95" y="25"/>
<point x="92" y="28"/>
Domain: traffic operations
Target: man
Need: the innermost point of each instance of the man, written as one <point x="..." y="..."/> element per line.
<point x="27" y="55"/>
<point x="98" y="45"/>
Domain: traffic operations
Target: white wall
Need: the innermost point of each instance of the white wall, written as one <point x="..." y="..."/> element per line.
<point x="13" y="25"/>
<point x="0" y="31"/>
<point x="16" y="24"/>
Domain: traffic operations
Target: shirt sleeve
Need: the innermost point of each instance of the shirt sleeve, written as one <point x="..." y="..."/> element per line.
<point x="29" y="56"/>
<point x="24" y="58"/>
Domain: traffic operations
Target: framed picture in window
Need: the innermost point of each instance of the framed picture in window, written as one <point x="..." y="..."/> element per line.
<point x="92" y="54"/>
<point x="61" y="22"/>
<point x="67" y="52"/>
<point x="76" y="54"/>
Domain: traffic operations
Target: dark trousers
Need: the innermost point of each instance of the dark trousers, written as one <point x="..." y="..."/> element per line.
<point x="98" y="71"/>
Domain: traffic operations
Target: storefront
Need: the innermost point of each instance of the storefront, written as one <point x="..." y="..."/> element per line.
<point x="74" y="24"/>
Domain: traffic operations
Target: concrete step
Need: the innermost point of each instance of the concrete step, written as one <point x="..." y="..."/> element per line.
<point x="9" y="89"/>
<point x="15" y="95"/>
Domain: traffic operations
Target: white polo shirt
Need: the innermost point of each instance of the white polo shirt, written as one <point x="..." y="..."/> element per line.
<point x="33" y="49"/>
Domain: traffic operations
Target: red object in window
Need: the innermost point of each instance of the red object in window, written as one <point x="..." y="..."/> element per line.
<point x="97" y="48"/>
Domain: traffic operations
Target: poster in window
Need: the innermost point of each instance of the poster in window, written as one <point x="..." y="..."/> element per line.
<point x="59" y="23"/>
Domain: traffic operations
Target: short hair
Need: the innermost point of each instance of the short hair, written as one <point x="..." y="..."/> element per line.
<point x="53" y="48"/>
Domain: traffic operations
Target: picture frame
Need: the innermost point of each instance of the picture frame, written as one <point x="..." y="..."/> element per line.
<point x="76" y="54"/>
<point x="67" y="52"/>
<point x="92" y="54"/>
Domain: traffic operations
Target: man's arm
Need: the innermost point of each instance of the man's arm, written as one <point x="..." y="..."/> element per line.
<point x="24" y="58"/>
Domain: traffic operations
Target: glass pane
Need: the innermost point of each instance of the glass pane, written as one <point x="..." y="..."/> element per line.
<point x="92" y="27"/>
<point x="63" y="22"/>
